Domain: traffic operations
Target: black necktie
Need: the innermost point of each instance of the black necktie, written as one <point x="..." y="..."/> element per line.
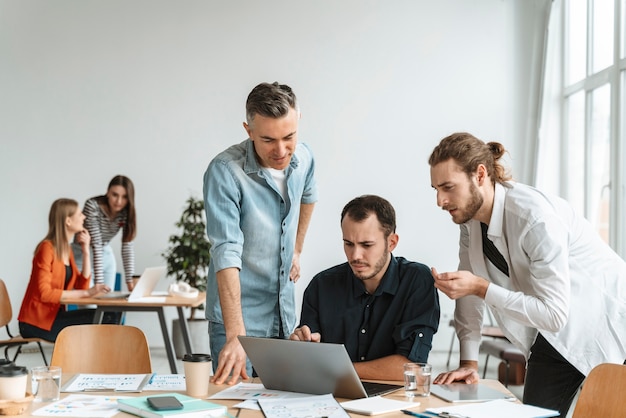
<point x="492" y="253"/>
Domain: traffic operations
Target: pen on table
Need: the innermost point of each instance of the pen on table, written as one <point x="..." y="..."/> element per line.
<point x="420" y="414"/>
<point x="428" y="414"/>
<point x="151" y="378"/>
<point x="98" y="389"/>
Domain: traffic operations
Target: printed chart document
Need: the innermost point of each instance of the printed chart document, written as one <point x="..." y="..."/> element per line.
<point x="166" y="382"/>
<point x="497" y="409"/>
<point x="86" y="406"/>
<point x="250" y="393"/>
<point x="311" y="406"/>
<point x="107" y="382"/>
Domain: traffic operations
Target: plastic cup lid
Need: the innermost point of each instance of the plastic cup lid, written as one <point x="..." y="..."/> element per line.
<point x="12" y="370"/>
<point x="197" y="358"/>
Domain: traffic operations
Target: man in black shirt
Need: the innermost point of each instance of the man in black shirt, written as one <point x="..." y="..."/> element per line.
<point x="384" y="309"/>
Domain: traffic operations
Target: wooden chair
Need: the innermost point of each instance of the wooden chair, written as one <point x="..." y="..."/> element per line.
<point x="603" y="392"/>
<point x="14" y="340"/>
<point x="513" y="360"/>
<point x="102" y="348"/>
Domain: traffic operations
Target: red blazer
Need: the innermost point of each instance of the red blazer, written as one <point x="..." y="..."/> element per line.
<point x="42" y="300"/>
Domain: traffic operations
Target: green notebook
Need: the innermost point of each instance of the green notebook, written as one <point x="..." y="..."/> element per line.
<point x="192" y="407"/>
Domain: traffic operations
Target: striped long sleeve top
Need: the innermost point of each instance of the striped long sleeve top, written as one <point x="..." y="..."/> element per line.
<point x="102" y="230"/>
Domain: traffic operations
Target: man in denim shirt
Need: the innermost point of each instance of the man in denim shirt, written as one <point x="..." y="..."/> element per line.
<point x="384" y="309"/>
<point x="259" y="197"/>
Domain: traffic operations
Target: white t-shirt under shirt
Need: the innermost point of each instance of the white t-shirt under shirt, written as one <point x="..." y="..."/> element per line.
<point x="279" y="179"/>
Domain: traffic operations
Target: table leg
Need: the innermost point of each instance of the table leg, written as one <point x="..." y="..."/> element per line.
<point x="184" y="329"/>
<point x="169" y="348"/>
<point x="97" y="317"/>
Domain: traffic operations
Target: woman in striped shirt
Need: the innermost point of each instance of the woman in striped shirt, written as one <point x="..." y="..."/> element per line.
<point x="105" y="216"/>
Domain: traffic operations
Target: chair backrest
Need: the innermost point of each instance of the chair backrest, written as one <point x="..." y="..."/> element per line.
<point x="603" y="392"/>
<point x="101" y="348"/>
<point x="6" y="312"/>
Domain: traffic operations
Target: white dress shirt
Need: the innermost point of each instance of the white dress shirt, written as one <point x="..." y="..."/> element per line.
<point x="564" y="280"/>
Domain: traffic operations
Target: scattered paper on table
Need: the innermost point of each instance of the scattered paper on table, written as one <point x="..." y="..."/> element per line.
<point x="166" y="382"/>
<point x="88" y="406"/>
<point x="254" y="391"/>
<point x="498" y="409"/>
<point x="311" y="406"/>
<point x="85" y="382"/>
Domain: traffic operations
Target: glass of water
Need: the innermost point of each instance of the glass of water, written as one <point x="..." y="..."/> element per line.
<point x="46" y="383"/>
<point x="417" y="379"/>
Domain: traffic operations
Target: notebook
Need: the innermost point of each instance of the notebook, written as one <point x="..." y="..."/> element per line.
<point x="192" y="407"/>
<point x="143" y="288"/>
<point x="305" y="367"/>
<point x="377" y="405"/>
<point x="463" y="392"/>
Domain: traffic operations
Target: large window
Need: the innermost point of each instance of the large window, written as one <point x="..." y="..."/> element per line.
<point x="594" y="109"/>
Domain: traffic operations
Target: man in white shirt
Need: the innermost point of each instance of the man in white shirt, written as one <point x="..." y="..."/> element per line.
<point x="555" y="288"/>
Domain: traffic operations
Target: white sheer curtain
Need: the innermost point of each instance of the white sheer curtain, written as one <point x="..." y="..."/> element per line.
<point x="538" y="74"/>
<point x="547" y="170"/>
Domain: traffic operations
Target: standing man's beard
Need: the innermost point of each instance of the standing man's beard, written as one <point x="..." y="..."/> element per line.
<point x="469" y="211"/>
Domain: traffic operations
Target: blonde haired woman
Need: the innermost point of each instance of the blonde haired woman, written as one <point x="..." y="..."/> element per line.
<point x="55" y="276"/>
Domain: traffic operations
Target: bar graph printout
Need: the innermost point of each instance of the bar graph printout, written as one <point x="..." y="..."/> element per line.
<point x="312" y="406"/>
<point x="85" y="406"/>
<point x="253" y="391"/>
<point x="250" y="393"/>
<point x="166" y="382"/>
<point x="107" y="382"/>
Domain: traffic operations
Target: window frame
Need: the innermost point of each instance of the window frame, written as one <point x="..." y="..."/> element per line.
<point x="615" y="77"/>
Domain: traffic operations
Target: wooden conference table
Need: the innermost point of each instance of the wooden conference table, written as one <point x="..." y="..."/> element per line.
<point x="123" y="305"/>
<point x="426" y="402"/>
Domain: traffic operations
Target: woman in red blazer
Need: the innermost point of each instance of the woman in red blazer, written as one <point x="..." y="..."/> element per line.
<point x="55" y="276"/>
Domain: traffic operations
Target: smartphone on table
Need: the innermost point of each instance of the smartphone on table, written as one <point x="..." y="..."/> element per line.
<point x="164" y="403"/>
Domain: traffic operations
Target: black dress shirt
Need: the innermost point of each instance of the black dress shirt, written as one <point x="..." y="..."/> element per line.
<point x="401" y="316"/>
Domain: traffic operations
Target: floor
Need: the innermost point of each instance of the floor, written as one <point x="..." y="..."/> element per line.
<point x="30" y="357"/>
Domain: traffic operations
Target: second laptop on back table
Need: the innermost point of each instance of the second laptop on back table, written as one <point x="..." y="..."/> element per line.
<point x="143" y="288"/>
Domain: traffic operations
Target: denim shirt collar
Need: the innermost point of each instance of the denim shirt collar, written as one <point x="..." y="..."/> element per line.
<point x="252" y="166"/>
<point x="388" y="284"/>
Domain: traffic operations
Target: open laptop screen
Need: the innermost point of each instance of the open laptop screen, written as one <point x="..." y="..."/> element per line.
<point x="305" y="367"/>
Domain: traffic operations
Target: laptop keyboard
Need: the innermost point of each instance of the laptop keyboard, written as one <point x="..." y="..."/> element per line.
<point x="375" y="389"/>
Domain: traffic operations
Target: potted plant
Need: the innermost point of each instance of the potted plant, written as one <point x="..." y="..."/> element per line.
<point x="187" y="260"/>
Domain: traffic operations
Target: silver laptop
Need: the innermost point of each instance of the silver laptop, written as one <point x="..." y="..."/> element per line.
<point x="143" y="288"/>
<point x="305" y="367"/>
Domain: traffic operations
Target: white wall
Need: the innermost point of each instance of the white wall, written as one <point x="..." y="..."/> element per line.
<point x="154" y="89"/>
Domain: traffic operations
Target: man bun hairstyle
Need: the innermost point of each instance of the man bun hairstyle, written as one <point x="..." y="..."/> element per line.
<point x="468" y="152"/>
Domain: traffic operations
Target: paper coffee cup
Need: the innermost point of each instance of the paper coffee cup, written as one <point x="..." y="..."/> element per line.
<point x="197" y="374"/>
<point x="13" y="380"/>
